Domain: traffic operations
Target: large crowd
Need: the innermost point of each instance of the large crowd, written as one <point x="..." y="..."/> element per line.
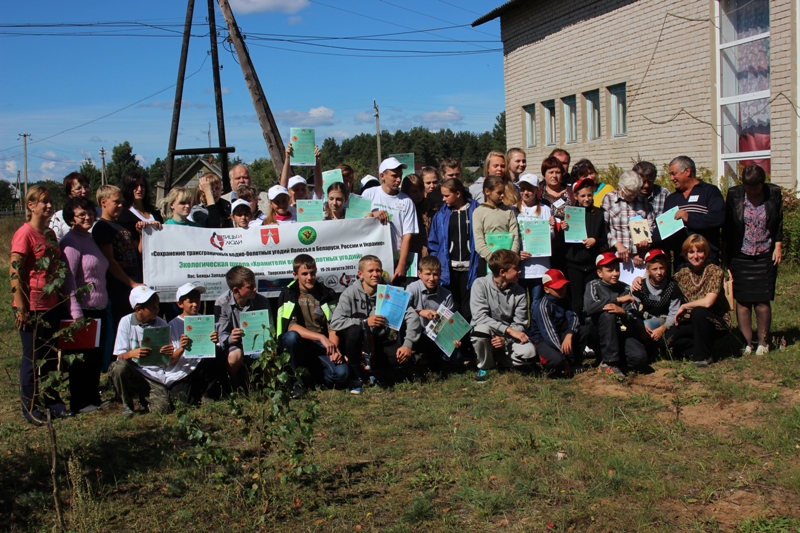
<point x="558" y="313"/>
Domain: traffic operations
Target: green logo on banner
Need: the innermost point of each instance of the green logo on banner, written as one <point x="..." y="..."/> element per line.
<point x="307" y="235"/>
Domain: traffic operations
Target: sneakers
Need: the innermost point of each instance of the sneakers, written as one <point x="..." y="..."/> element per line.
<point x="748" y="350"/>
<point x="610" y="370"/>
<point x="297" y="391"/>
<point x="482" y="376"/>
<point x="762" y="350"/>
<point x="703" y="363"/>
<point x="127" y="412"/>
<point x="89" y="408"/>
<point x="355" y="391"/>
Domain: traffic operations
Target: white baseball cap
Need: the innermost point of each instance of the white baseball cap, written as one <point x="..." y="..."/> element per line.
<point x="140" y="295"/>
<point x="186" y="288"/>
<point x="391" y="163"/>
<point x="531" y="179"/>
<point x="368" y="179"/>
<point x="277" y="190"/>
<point x="239" y="202"/>
<point x="296" y="180"/>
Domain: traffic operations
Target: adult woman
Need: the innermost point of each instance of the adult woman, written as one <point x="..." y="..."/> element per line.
<point x="753" y="235"/>
<point x="38" y="310"/>
<point x="496" y="165"/>
<point x="76" y="185"/>
<point x="583" y="169"/>
<point x="136" y="200"/>
<point x="554" y="193"/>
<point x="620" y="207"/>
<point x="703" y="318"/>
<point x="86" y="265"/>
<point x="450" y="240"/>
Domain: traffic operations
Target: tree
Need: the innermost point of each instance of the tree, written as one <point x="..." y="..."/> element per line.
<point x="56" y="191"/>
<point x="262" y="172"/>
<point x="123" y="160"/>
<point x="499" y="133"/>
<point x="7" y="196"/>
<point x="92" y="173"/>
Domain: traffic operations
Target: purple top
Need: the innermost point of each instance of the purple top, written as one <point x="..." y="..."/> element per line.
<point x="87" y="264"/>
<point x="756" y="240"/>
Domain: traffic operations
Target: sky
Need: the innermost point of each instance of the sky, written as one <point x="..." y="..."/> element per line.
<point x="81" y="76"/>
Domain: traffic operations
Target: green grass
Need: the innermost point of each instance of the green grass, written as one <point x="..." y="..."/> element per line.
<point x="680" y="450"/>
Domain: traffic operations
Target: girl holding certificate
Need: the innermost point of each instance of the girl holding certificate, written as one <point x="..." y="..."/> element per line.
<point x="338" y="196"/>
<point x="533" y="268"/>
<point x="494" y="222"/>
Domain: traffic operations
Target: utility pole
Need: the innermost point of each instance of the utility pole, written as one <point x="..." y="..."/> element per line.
<point x="265" y="119"/>
<point x="19" y="196"/>
<point x="377" y="129"/>
<point x="208" y="132"/>
<point x="25" y="162"/>
<point x="103" y="166"/>
<point x="212" y="26"/>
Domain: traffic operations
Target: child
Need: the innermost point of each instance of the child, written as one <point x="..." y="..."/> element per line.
<point x="451" y="241"/>
<point x="250" y="195"/>
<point x="658" y="297"/>
<point x="304" y="312"/>
<point x="500" y="316"/>
<point x="555" y="328"/>
<point x="529" y="208"/>
<point x="493" y="216"/>
<point x="517" y="163"/>
<point x="414" y="187"/>
<point x="450" y="167"/>
<point x="580" y="257"/>
<point x="280" y="212"/>
<point x="426" y="297"/>
<point x="396" y="208"/>
<point x="609" y="303"/>
<point x="432" y="184"/>
<point x="177" y="207"/>
<point x="151" y="383"/>
<point x="338" y="197"/>
<point x="210" y="209"/>
<point x="240" y="213"/>
<point x="369" y="181"/>
<point x="297" y="185"/>
<point x="241" y="296"/>
<point x="361" y="331"/>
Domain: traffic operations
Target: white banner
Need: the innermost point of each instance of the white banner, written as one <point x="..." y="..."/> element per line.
<point x="176" y="255"/>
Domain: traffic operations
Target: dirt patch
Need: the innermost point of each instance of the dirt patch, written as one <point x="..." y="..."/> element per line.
<point x="732" y="507"/>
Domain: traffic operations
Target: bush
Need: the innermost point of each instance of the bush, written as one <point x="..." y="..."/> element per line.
<point x="791" y="226"/>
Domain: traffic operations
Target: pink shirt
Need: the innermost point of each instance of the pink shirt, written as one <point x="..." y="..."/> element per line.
<point x="33" y="245"/>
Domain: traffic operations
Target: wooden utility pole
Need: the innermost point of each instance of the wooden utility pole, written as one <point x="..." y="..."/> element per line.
<point x="25" y="160"/>
<point x="265" y="119"/>
<point x="212" y="27"/>
<point x="377" y="129"/>
<point x="103" y="166"/>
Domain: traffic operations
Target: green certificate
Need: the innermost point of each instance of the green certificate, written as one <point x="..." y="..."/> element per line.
<point x="408" y="159"/>
<point x="155" y="338"/>
<point x="411" y="261"/>
<point x="309" y="210"/>
<point x="668" y="224"/>
<point x="536" y="237"/>
<point x="329" y="177"/>
<point x="498" y="241"/>
<point x="358" y="207"/>
<point x="303" y="147"/>
<point x="199" y="329"/>
<point x="447" y="330"/>
<point x="575" y="217"/>
<point x="256" y="331"/>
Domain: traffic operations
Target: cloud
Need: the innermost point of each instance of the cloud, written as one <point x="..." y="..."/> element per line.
<point x="50" y="154"/>
<point x="185" y="104"/>
<point x="440" y="119"/>
<point x="316" y="116"/>
<point x="47" y="166"/>
<point x="295" y="20"/>
<point x="96" y="139"/>
<point x="258" y="6"/>
<point x="338" y="135"/>
<point x="142" y="160"/>
<point x="362" y="118"/>
<point x="223" y="90"/>
<point x="11" y="167"/>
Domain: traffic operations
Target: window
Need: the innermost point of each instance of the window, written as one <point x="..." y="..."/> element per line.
<point x="619" y="111"/>
<point x="592" y="115"/>
<point x="530" y="125"/>
<point x="744" y="85"/>
<point x="570" y="119"/>
<point x="549" y="122"/>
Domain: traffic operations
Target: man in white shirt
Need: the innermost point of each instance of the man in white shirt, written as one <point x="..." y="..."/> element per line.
<point x="398" y="209"/>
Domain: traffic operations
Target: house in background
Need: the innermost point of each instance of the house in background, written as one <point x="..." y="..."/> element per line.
<point x="189" y="177"/>
<point x="615" y="80"/>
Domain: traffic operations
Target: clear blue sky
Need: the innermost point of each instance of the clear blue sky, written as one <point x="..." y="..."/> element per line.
<point x="53" y="83"/>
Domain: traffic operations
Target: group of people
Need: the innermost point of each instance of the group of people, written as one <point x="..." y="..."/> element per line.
<point x="525" y="311"/>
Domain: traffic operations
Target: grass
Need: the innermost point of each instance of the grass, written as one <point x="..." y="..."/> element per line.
<point x="676" y="450"/>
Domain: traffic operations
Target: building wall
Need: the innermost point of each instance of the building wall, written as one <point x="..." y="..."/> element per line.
<point x="558" y="48"/>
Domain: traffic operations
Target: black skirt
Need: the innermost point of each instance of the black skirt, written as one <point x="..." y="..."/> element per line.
<point x="753" y="277"/>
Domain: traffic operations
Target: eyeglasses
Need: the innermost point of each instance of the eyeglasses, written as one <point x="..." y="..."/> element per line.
<point x="84" y="215"/>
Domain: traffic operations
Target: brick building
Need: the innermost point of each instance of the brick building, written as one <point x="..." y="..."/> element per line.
<point x="611" y="80"/>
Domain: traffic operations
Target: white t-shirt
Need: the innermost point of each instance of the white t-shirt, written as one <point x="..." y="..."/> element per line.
<point x="401" y="210"/>
<point x="535" y="267"/>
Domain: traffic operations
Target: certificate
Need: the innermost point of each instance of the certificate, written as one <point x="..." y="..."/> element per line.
<point x="155" y="338"/>
<point x="303" y="147"/>
<point x="446" y="329"/>
<point x="498" y="241"/>
<point x="329" y="177"/>
<point x="357" y="207"/>
<point x="309" y="210"/>
<point x="640" y="230"/>
<point x="199" y="329"/>
<point x="575" y="217"/>
<point x="668" y="224"/>
<point x="536" y="237"/>
<point x="408" y="159"/>
<point x="256" y="331"/>
<point x="391" y="304"/>
<point x="411" y="263"/>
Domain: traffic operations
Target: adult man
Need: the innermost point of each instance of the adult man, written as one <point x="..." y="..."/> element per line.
<point x="240" y="175"/>
<point x="700" y="206"/>
<point x="564" y="157"/>
<point x="655" y="194"/>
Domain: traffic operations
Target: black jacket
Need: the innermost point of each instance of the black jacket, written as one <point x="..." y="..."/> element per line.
<point x="578" y="256"/>
<point x="733" y="230"/>
<point x="288" y="308"/>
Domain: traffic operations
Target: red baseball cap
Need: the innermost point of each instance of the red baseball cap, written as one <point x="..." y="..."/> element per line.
<point x="581" y="182"/>
<point x="605" y="258"/>
<point x="653" y="253"/>
<point x="554" y="279"/>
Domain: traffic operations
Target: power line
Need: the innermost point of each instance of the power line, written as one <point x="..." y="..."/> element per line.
<point x="430" y="16"/>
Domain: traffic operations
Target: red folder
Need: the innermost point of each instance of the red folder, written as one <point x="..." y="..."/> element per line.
<point x="85" y="338"/>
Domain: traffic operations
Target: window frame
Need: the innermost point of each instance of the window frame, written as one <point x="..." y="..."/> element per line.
<point x="570" y="117"/>
<point x="549" y="118"/>
<point x="614" y="92"/>
<point x="531" y="135"/>
<point x="592" y="115"/>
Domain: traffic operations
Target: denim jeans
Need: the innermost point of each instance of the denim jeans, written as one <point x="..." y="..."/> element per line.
<point x="311" y="355"/>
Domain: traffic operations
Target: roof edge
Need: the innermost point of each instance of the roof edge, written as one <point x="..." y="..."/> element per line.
<point x="496" y="12"/>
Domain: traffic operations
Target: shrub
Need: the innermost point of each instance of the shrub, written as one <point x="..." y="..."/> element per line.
<point x="791" y="226"/>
